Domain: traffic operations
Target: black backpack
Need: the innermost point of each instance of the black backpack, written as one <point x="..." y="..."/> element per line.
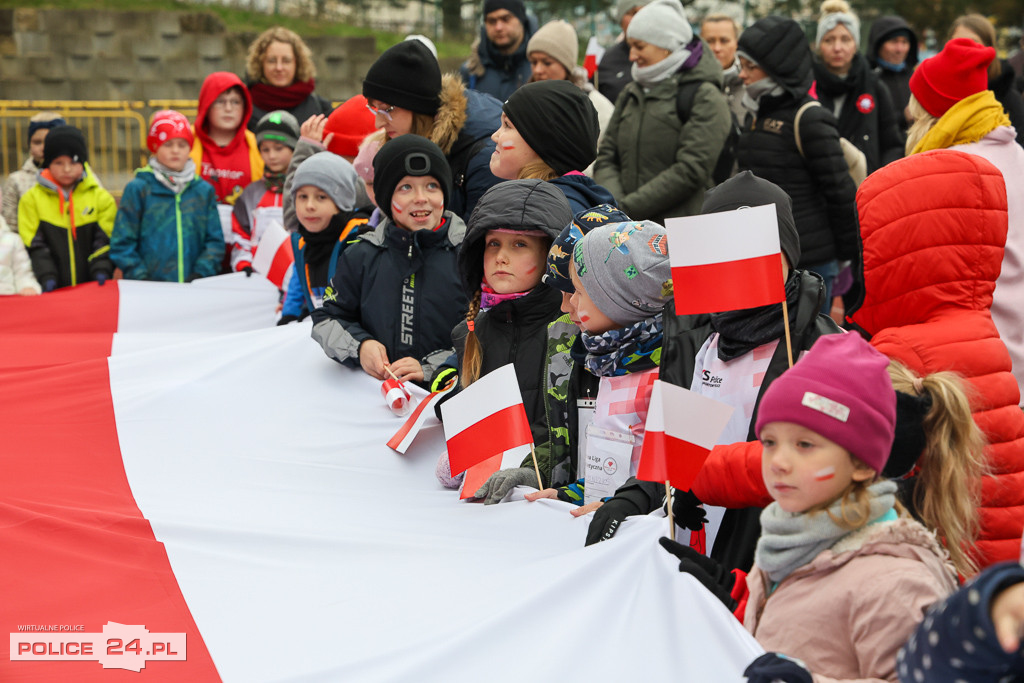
<point x="727" y="157"/>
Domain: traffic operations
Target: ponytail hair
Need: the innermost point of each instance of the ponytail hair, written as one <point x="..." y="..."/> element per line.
<point x="472" y="354"/>
<point x="947" y="491"/>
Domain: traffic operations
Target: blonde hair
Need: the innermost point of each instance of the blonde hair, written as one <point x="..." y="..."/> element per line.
<point x="719" y="17"/>
<point x="834" y="6"/>
<point x="422" y="125"/>
<point x="472" y="354"/>
<point x="923" y="122"/>
<point x="983" y="28"/>
<point x="45" y="117"/>
<point x="947" y="491"/>
<point x="304" y="67"/>
<point x="536" y="170"/>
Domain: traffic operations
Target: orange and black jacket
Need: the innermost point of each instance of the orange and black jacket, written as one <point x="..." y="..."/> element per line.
<point x="68" y="236"/>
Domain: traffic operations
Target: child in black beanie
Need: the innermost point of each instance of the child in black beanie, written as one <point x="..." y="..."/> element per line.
<point x="396" y="294"/>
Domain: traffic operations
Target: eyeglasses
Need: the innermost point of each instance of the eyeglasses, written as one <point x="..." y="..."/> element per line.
<point x="386" y="113"/>
<point x="228" y="102"/>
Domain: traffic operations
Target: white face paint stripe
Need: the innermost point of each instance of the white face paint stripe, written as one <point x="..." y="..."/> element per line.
<point x="825" y="473"/>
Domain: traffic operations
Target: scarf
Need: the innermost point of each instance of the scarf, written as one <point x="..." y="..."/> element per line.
<point x="744" y="330"/>
<point x="967" y="121"/>
<point x="889" y="66"/>
<point x="489" y="298"/>
<point x="274" y="181"/>
<point x="270" y="97"/>
<point x="175" y="181"/>
<point x="752" y="94"/>
<point x="649" y="76"/>
<point x="791" y="540"/>
<point x="621" y="351"/>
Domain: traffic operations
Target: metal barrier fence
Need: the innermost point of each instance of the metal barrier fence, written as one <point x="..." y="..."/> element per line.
<point x="115" y="133"/>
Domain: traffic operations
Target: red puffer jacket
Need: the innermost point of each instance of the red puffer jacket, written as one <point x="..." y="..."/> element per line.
<point x="933" y="227"/>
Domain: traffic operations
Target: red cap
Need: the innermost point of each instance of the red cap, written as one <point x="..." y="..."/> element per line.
<point x="165" y="125"/>
<point x="959" y="71"/>
<point x="350" y="123"/>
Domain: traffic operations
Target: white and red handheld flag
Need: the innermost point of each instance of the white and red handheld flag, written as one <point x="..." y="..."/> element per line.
<point x="485" y="419"/>
<point x="726" y="261"/>
<point x="592" y="56"/>
<point x="273" y="257"/>
<point x="682" y="427"/>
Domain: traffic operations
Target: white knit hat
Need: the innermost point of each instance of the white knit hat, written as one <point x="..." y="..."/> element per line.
<point x="662" y="23"/>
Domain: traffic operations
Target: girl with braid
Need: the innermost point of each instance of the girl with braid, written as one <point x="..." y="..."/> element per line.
<point x="501" y="263"/>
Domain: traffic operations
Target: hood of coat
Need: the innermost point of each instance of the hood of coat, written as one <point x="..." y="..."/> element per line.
<point x="87" y="181"/>
<point x="779" y="46"/>
<point x="583" y="190"/>
<point x="903" y="538"/>
<point x="882" y="29"/>
<point x="933" y="227"/>
<point x="512" y="205"/>
<point x="215" y="84"/>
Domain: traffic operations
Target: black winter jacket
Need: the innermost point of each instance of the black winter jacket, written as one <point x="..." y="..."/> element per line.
<point x="312" y="105"/>
<point x="867" y="117"/>
<point x="1006" y="92"/>
<point x="898" y="82"/>
<point x="818" y="183"/>
<point x="398" y="287"/>
<point x="615" y="71"/>
<point x="684" y="336"/>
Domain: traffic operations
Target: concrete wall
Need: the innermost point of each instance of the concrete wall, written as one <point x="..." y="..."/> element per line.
<point x="107" y="55"/>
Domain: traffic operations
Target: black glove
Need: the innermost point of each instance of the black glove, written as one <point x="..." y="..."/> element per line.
<point x="101" y="279"/>
<point x="285" y="319"/>
<point x="49" y="284"/>
<point x="772" y="666"/>
<point x="248" y="271"/>
<point x="687" y="511"/>
<point x="609" y="516"/>
<point x="711" y="575"/>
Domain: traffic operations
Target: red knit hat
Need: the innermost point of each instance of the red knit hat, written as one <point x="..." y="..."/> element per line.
<point x="165" y="125"/>
<point x="350" y="123"/>
<point x="959" y="71"/>
<point x="841" y="390"/>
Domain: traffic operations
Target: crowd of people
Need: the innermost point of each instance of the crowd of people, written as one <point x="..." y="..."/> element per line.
<point x="446" y="225"/>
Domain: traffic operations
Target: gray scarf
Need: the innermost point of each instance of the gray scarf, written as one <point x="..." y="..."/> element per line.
<point x="789" y="541"/>
<point x="752" y="95"/>
<point x="649" y="76"/>
<point x="175" y="181"/>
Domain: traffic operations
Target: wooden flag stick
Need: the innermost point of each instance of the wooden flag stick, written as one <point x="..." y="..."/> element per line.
<point x="785" y="317"/>
<point x="398" y="380"/>
<point x="671" y="519"/>
<point x="533" y="454"/>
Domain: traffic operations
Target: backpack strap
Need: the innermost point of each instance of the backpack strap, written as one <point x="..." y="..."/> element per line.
<point x="796" y="123"/>
<point x="684" y="99"/>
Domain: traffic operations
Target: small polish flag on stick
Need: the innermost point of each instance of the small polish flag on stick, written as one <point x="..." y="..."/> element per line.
<point x="726" y="261"/>
<point x="424" y="410"/>
<point x="592" y="56"/>
<point x="682" y="428"/>
<point x="485" y="419"/>
<point x="273" y="257"/>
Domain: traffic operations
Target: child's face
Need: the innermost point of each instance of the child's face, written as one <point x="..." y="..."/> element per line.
<point x="513" y="262"/>
<point x="802" y="469"/>
<point x="227" y="111"/>
<point x="173" y="154"/>
<point x="511" y="153"/>
<point x="276" y="155"/>
<point x="587" y="316"/>
<point x="35" y="145"/>
<point x="369" y="191"/>
<point x="417" y="203"/>
<point x="314" y="208"/>
<point x="65" y="172"/>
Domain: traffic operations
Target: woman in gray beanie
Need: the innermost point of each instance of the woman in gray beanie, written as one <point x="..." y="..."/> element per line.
<point x="656" y="163"/>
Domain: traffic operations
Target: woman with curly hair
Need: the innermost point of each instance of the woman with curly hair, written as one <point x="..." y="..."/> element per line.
<point x="280" y="73"/>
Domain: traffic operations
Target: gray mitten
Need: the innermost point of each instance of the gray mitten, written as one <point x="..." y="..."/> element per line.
<point x="503" y="481"/>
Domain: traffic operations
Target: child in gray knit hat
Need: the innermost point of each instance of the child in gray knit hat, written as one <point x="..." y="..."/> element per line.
<point x="323" y="192"/>
<point x="623" y="280"/>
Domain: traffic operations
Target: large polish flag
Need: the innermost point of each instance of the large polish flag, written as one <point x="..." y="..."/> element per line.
<point x="726" y="261"/>
<point x="682" y="428"/>
<point x="181" y="475"/>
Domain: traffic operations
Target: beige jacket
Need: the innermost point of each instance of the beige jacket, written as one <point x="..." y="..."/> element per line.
<point x="848" y="611"/>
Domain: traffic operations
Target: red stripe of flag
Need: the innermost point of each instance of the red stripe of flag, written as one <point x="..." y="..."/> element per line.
<point x="666" y="458"/>
<point x="85" y="308"/>
<point x="728" y="286"/>
<point x="77" y="550"/>
<point x="498" y="432"/>
<point x="283" y="259"/>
